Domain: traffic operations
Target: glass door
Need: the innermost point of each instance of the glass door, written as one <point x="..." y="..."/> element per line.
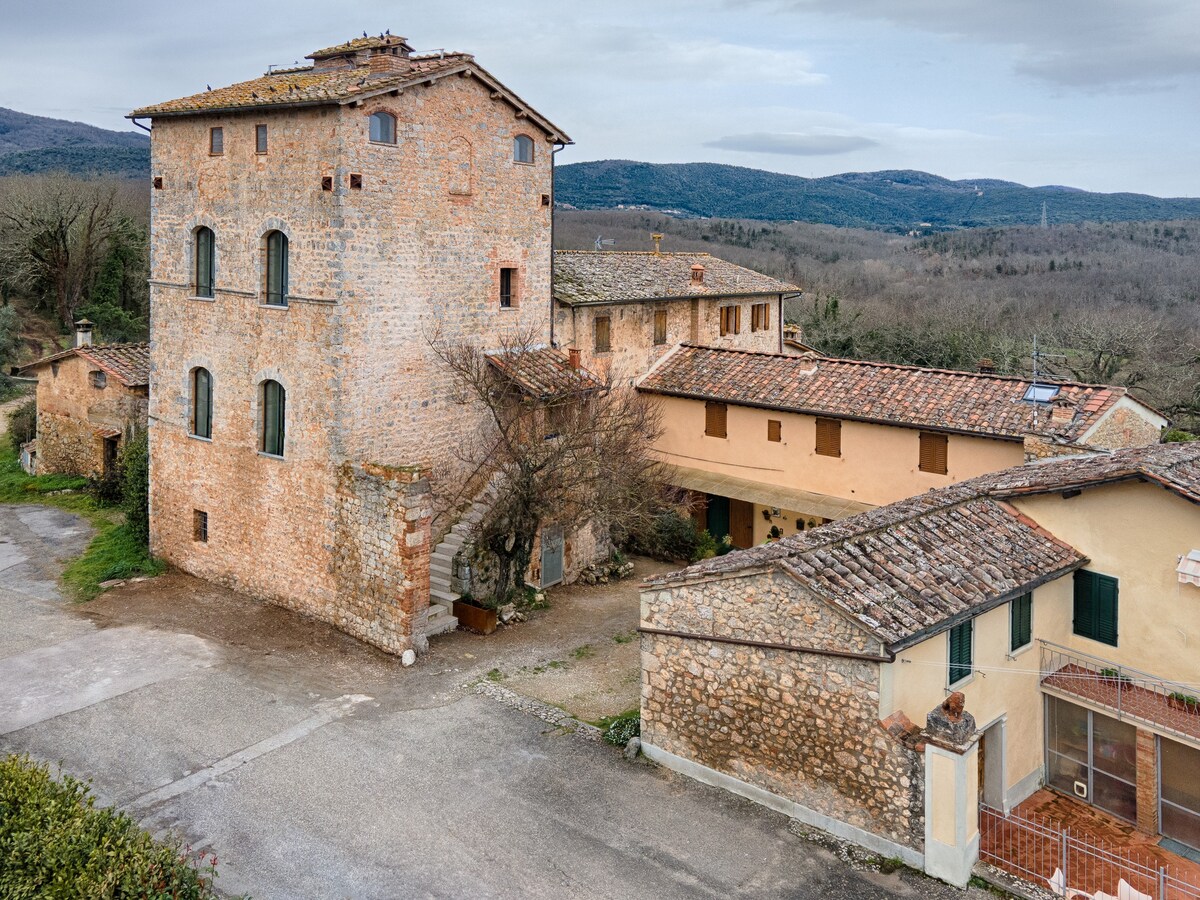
<point x="1179" y="792"/>
<point x="1092" y="756"/>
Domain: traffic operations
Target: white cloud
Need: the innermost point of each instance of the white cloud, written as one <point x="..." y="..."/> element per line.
<point x="793" y="144"/>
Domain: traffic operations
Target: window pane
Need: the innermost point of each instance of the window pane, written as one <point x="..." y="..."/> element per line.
<point x="1067" y="729"/>
<point x="1180" y="765"/>
<point x="1064" y="772"/>
<point x="383" y="128"/>
<point x="273" y="418"/>
<point x="1114" y="747"/>
<point x="216" y="140"/>
<point x="204" y="263"/>
<point x="260" y="138"/>
<point x="277" y="268"/>
<point x="202" y="414"/>
<point x="1117" y="797"/>
<point x="523" y="149"/>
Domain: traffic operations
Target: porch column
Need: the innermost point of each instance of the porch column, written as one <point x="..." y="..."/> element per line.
<point x="951" y="792"/>
<point x="1147" y="782"/>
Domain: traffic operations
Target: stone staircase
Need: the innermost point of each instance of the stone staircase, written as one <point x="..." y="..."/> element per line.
<point x="442" y="594"/>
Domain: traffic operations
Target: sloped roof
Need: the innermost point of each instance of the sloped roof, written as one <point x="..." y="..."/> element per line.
<point x="544" y="373"/>
<point x="128" y="363"/>
<point x="320" y="86"/>
<point x="937" y="399"/>
<point x="611" y="276"/>
<point x="915" y="567"/>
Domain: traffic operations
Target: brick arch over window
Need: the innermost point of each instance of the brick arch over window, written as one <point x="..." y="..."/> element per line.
<point x="460" y="163"/>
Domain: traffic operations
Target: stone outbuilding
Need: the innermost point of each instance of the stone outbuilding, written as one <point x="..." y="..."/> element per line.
<point x="90" y="401"/>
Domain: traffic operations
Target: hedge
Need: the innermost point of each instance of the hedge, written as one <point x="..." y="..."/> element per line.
<point x="56" y="843"/>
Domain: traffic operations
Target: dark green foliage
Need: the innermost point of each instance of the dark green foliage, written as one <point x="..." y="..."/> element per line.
<point x="894" y="200"/>
<point x="22" y="424"/>
<point x="619" y="729"/>
<point x="670" y="537"/>
<point x="55" y="843"/>
<point x="1178" y="436"/>
<point x="134" y="464"/>
<point x="121" y="162"/>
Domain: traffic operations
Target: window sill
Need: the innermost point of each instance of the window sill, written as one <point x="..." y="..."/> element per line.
<point x="384" y="143"/>
<point x="266" y="455"/>
<point x="961" y="683"/>
<point x="510" y="308"/>
<point x="201" y="438"/>
<point x="518" y="162"/>
<point x="203" y="299"/>
<point x="273" y="306"/>
<point x="1020" y="651"/>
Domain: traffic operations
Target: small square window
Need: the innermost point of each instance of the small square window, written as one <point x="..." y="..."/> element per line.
<point x="508" y="288"/>
<point x="545" y="199"/>
<point x="216" y="141"/>
<point x="327" y="183"/>
<point x="260" y="138"/>
<point x="715" y="419"/>
<point x="158" y="182"/>
<point x="774" y="431"/>
<point x="355" y="181"/>
<point x="200" y="526"/>
<point x="933" y="453"/>
<point x="98" y="379"/>
<point x="829" y="437"/>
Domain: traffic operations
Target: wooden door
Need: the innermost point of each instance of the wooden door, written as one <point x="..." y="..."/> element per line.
<point x="741" y="523"/>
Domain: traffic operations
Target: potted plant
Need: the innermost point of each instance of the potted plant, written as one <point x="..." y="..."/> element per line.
<point x="1182" y="701"/>
<point x="474" y="616"/>
<point x="1115" y="678"/>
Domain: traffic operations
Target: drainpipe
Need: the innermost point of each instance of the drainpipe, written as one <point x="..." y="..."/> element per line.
<point x="558" y="145"/>
<point x="138" y="124"/>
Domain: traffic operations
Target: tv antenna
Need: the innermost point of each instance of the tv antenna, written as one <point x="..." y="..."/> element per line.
<point x="602" y="242"/>
<point x="1038" y="356"/>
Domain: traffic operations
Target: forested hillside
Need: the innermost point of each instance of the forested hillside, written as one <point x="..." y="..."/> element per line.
<point x="33" y="144"/>
<point x="1116" y="303"/>
<point x="891" y="200"/>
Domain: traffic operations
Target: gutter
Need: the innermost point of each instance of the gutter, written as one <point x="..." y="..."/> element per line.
<point x="790" y="648"/>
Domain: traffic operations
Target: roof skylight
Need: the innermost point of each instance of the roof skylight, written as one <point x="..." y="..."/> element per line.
<point x="1041" y="393"/>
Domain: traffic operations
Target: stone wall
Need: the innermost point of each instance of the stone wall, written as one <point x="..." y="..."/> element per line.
<point x="803" y="726"/>
<point x="1124" y="427"/>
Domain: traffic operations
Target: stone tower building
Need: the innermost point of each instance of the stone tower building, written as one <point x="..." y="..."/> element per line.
<point x="312" y="230"/>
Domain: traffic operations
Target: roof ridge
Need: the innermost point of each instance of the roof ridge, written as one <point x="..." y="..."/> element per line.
<point x="647" y="253"/>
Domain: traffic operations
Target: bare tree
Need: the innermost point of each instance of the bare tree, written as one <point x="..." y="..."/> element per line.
<point x="555" y="444"/>
<point x="54" y="234"/>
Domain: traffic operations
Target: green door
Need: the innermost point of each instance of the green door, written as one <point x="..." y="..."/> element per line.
<point x="718" y="516"/>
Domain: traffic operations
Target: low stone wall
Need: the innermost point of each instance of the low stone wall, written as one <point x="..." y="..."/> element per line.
<point x="381" y="556"/>
<point x="803" y="726"/>
<point x="67" y="446"/>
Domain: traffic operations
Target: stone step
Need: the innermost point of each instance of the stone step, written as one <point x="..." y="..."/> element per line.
<point x="441" y="557"/>
<point x="437" y="567"/>
<point x="452" y="540"/>
<point x="440" y="625"/>
<point x="442" y="596"/>
<point x="436" y="611"/>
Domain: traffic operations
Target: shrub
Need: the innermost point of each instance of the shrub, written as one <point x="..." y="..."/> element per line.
<point x="55" y="842"/>
<point x="22" y="424"/>
<point x="706" y="547"/>
<point x="134" y="465"/>
<point x="107" y="488"/>
<point x="619" y="729"/>
<point x="671" y="536"/>
<point x="1178" y="436"/>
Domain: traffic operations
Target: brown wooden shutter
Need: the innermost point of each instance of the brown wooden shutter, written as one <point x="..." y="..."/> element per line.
<point x="933" y="453"/>
<point x="724" y="320"/>
<point x="766" y="316"/>
<point x="660" y="326"/>
<point x="602" y="334"/>
<point x="737" y="320"/>
<point x="829" y="437"/>
<point x="714" y="419"/>
<point x="774" y="430"/>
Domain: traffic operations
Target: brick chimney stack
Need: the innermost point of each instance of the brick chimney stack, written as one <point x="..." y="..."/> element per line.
<point x="573" y="356"/>
<point x="697" y="274"/>
<point x="657" y="238"/>
<point x="987" y="366"/>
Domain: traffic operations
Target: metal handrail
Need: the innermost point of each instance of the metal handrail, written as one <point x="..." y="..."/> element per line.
<point x="1131" y="673"/>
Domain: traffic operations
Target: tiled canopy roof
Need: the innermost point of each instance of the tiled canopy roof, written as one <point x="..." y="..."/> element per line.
<point x="128" y="363"/>
<point x="544" y="373"/>
<point x="877" y="392"/>
<point x="589" y="276"/>
<point x="915" y="567"/>
<point x="340" y="84"/>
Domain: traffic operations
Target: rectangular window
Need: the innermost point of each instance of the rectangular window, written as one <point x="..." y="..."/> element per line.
<point x="216" y="141"/>
<point x="277" y="269"/>
<point x="829" y="437"/>
<point x="774" y="431"/>
<point x="714" y="419"/>
<point x="260" y="138"/>
<point x="933" y="453"/>
<point x="660" y="326"/>
<point x="1096" y="607"/>
<point x="1020" y="622"/>
<point x="760" y="317"/>
<point x="355" y="181"/>
<point x="731" y="320"/>
<point x="508" y="288"/>
<point x="199" y="526"/>
<point x="274" y="421"/>
<point x="602" y="327"/>
<point x="960" y="651"/>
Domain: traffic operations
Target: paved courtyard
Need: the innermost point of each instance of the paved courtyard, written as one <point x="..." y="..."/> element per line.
<point x="317" y="767"/>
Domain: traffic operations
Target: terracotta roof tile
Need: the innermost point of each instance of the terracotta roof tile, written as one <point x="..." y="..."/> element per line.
<point x="587" y="276"/>
<point x="544" y="373"/>
<point x="879" y="392"/>
<point x="128" y="363"/>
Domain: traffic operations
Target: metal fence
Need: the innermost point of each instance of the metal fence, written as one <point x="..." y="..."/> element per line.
<point x="1075" y="866"/>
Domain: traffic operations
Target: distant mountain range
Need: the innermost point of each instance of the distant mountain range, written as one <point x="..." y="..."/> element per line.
<point x="32" y="144"/>
<point x="893" y="200"/>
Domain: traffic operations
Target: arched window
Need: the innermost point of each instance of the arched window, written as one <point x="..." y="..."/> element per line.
<point x="523" y="149"/>
<point x="277" y="268"/>
<point x="383" y="128"/>
<point x="202" y="403"/>
<point x="274" y="402"/>
<point x="205" y="270"/>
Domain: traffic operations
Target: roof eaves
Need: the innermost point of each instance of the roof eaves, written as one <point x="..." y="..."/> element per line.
<point x="714" y="295"/>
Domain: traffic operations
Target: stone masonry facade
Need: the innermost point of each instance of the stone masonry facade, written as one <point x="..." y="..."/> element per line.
<point x="802" y="725"/>
<point x="391" y="247"/>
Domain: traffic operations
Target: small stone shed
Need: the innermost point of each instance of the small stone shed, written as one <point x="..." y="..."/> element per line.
<point x="90" y="400"/>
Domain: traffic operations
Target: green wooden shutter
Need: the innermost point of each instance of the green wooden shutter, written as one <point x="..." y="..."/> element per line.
<point x="1020" y="622"/>
<point x="960" y="651"/>
<point x="1085" y="618"/>
<point x="1106" y="609"/>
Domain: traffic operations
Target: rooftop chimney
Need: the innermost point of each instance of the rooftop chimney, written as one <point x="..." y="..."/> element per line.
<point x="697" y="274"/>
<point x="987" y="366"/>
<point x="1062" y="410"/>
<point x="83" y="333"/>
<point x="573" y="356"/>
<point x="657" y="238"/>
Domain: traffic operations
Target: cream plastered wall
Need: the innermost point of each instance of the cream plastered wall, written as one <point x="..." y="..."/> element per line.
<point x="786" y="522"/>
<point x="1004" y="685"/>
<point x="1135" y="532"/>
<point x="878" y="465"/>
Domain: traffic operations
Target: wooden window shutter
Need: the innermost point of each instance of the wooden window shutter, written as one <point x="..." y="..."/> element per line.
<point x="1106" y="609"/>
<point x="829" y="437"/>
<point x="766" y="316"/>
<point x="602" y="334"/>
<point x="660" y="326"/>
<point x="725" y="324"/>
<point x="1084" y="620"/>
<point x="774" y="430"/>
<point x="933" y="453"/>
<point x="960" y="651"/>
<point x="714" y="419"/>
<point x="1020" y="622"/>
<point x="737" y="320"/>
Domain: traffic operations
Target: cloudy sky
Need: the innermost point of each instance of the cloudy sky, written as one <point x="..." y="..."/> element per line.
<point x="1097" y="94"/>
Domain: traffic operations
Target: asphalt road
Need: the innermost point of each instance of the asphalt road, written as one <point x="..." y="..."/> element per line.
<point x="317" y="767"/>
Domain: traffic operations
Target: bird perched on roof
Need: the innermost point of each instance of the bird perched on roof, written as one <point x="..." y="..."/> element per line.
<point x="254" y="95"/>
<point x="208" y="87"/>
<point x="364" y="34"/>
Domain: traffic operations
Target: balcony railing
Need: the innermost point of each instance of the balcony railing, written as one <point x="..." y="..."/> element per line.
<point x="1129" y="693"/>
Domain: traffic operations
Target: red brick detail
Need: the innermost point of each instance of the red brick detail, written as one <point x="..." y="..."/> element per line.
<point x="1147" y="782"/>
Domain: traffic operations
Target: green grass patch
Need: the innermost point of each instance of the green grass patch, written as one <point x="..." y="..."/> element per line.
<point x="55" y="842"/>
<point x="625" y="637"/>
<point x="115" y="552"/>
<point x="619" y="729"/>
<point x="584" y="652"/>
